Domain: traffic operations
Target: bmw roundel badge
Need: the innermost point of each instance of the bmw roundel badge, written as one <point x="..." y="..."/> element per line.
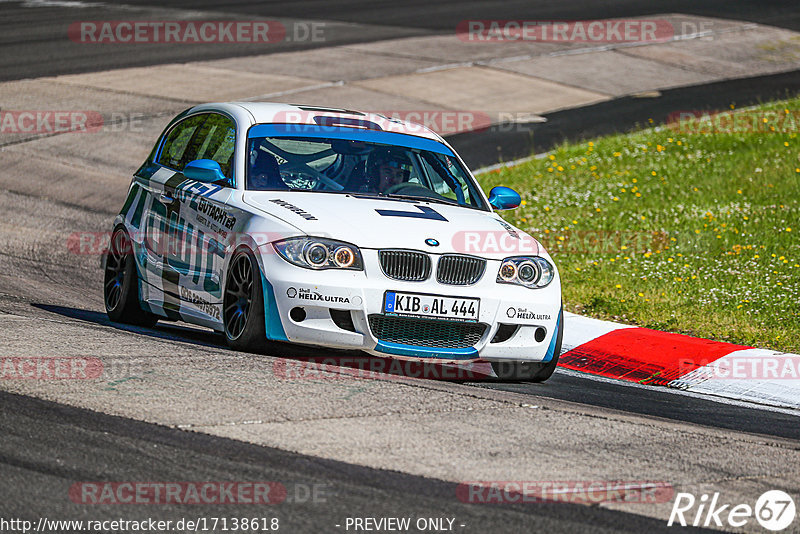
<point x="431" y="242"/>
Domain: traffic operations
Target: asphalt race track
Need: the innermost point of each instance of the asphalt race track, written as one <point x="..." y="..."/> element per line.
<point x="32" y="40"/>
<point x="185" y="408"/>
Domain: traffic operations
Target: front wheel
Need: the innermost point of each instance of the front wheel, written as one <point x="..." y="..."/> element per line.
<point x="121" y="284"/>
<point x="243" y="304"/>
<point x="532" y="371"/>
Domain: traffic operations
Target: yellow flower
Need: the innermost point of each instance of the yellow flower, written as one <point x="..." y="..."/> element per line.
<point x="617" y="154"/>
<point x="641" y="294"/>
<point x="616" y="198"/>
<point x="788" y="229"/>
<point x="738" y="191"/>
<point x="552" y="157"/>
<point x="618" y="286"/>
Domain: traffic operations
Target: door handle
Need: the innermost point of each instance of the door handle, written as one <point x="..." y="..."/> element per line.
<point x="165" y="198"/>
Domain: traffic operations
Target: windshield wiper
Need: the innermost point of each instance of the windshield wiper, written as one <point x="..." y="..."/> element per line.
<point x="420" y="198"/>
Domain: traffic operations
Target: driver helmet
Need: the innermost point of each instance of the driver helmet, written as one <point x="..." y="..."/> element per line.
<point x="392" y="157"/>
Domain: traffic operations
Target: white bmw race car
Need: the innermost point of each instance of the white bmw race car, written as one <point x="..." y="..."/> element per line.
<point x="332" y="228"/>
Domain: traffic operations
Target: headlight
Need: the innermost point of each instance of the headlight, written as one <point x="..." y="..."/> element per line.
<point x="526" y="271"/>
<point x="320" y="253"/>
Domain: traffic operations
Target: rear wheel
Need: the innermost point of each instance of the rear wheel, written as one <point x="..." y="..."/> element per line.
<point x="243" y="304"/>
<point x="121" y="284"/>
<point x="531" y="371"/>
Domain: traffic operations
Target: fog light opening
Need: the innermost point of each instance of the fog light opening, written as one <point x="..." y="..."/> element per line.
<point x="343" y="319"/>
<point x="505" y="332"/>
<point x="298" y="314"/>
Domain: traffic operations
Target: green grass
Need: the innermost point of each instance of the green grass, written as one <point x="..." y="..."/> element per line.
<point x="694" y="233"/>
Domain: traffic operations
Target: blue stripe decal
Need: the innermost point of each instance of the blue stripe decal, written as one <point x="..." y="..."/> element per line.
<point x="552" y="348"/>
<point x="426" y="352"/>
<point x="354" y="134"/>
<point x="272" y="319"/>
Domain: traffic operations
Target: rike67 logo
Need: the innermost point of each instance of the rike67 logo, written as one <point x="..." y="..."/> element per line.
<point x="774" y="510"/>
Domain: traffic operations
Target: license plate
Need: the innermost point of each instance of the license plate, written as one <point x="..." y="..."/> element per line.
<point x="432" y="306"/>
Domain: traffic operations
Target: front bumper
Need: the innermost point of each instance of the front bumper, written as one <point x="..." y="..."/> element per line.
<point x="530" y="316"/>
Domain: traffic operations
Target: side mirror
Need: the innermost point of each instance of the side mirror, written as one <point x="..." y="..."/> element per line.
<point x="204" y="170"/>
<point x="504" y="198"/>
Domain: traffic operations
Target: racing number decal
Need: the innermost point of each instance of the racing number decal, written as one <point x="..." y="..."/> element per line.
<point x="425" y="213"/>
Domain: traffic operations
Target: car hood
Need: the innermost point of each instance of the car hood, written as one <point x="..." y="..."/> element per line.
<point x="388" y="223"/>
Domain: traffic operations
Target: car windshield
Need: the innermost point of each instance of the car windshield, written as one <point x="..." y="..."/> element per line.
<point x="355" y="166"/>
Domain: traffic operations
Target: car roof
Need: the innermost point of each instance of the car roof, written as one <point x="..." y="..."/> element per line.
<point x="277" y="113"/>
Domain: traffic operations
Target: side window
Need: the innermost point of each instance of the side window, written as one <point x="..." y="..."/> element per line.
<point x="174" y="153"/>
<point x="205" y="136"/>
<point x="216" y="140"/>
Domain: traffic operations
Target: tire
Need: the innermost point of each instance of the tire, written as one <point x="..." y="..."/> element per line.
<point x="532" y="371"/>
<point x="243" y="304"/>
<point x="121" y="284"/>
